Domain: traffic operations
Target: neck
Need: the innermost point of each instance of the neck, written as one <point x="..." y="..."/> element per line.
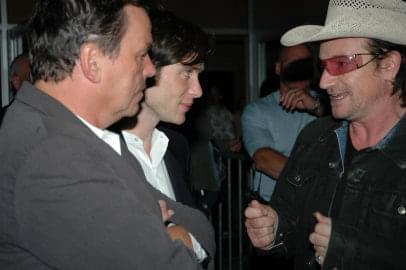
<point x="146" y="123"/>
<point x="79" y="99"/>
<point x="370" y="130"/>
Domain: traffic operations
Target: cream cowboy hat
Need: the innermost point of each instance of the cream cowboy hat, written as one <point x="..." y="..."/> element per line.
<point x="380" y="19"/>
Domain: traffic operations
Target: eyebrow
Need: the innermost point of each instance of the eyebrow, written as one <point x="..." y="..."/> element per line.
<point x="198" y="67"/>
<point x="147" y="48"/>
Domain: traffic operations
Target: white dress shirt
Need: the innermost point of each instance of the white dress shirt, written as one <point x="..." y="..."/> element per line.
<point x="156" y="161"/>
<point x="155" y="170"/>
<point x="152" y="164"/>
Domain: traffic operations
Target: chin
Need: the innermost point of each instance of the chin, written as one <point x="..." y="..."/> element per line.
<point x="339" y="114"/>
<point x="176" y="121"/>
<point x="132" y="111"/>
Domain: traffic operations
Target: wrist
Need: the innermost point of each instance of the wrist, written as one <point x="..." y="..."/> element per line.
<point x="316" y="108"/>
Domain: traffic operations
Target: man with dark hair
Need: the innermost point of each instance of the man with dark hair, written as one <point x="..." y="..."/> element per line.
<point x="72" y="197"/>
<point x="271" y="124"/>
<point x="341" y="200"/>
<point x="19" y="72"/>
<point x="178" y="51"/>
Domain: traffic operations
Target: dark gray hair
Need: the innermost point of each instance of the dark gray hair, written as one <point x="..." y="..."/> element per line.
<point x="382" y="47"/>
<point x="58" y="29"/>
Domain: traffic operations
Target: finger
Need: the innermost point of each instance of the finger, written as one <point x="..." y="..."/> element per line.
<point x="318" y="240"/>
<point x="251" y="213"/>
<point x="166" y="213"/>
<point x="289" y="98"/>
<point x="320" y="250"/>
<point x="294" y="100"/>
<point x="259" y="223"/>
<point x="294" y="103"/>
<point x="255" y="204"/>
<point x="261" y="237"/>
<point x="261" y="209"/>
<point x="323" y="229"/>
<point x="322" y="219"/>
<point x="286" y="97"/>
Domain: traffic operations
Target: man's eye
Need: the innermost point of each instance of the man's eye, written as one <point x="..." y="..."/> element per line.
<point x="187" y="73"/>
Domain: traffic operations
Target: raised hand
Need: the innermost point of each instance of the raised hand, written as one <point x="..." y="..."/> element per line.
<point x="321" y="236"/>
<point x="261" y="221"/>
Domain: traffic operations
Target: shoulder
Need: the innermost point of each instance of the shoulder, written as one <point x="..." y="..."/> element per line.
<point x="319" y="126"/>
<point x="178" y="144"/>
<point x="260" y="105"/>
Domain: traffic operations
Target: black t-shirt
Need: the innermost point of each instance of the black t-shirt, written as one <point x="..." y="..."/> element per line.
<point x="350" y="152"/>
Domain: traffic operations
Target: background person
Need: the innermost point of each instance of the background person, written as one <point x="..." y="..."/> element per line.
<point x="271" y="124"/>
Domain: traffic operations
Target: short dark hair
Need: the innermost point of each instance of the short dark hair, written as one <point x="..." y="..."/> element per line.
<point x="399" y="84"/>
<point x="177" y="41"/>
<point x="58" y="29"/>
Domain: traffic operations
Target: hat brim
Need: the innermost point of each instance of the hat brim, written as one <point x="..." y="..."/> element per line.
<point x="351" y="24"/>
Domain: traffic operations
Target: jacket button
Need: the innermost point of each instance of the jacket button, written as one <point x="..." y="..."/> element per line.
<point x="402" y="210"/>
<point x="297" y="178"/>
<point x="332" y="165"/>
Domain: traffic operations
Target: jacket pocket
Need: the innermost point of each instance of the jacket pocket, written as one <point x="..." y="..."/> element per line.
<point x="301" y="176"/>
<point x="388" y="215"/>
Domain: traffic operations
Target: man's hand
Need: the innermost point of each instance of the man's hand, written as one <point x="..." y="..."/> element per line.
<point x="261" y="221"/>
<point x="298" y="99"/>
<point x="321" y="236"/>
<point x="178" y="232"/>
<point x="166" y="213"/>
<point x="175" y="231"/>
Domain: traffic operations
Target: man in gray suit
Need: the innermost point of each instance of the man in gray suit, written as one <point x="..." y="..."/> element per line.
<point x="71" y="196"/>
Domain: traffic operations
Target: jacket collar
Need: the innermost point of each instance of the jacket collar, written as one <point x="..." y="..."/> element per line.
<point x="392" y="145"/>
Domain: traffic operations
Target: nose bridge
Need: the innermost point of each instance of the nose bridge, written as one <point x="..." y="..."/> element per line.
<point x="149" y="68"/>
<point x="196" y="88"/>
<point x="326" y="80"/>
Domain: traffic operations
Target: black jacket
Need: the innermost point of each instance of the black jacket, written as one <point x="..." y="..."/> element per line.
<point x="370" y="230"/>
<point x="177" y="161"/>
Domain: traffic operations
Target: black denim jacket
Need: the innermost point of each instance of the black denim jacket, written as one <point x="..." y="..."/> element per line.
<point x="370" y="231"/>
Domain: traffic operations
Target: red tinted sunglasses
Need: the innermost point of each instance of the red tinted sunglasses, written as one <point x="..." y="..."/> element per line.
<point x="346" y="63"/>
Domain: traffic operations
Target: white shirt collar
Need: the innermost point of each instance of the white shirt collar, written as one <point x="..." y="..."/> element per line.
<point x="159" y="144"/>
<point x="111" y="138"/>
<point x="152" y="163"/>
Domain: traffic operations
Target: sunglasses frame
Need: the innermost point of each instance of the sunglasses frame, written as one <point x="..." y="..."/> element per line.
<point x="351" y="59"/>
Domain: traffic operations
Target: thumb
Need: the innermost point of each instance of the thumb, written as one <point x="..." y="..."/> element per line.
<point x="166" y="213"/>
<point x="258" y="205"/>
<point x="321" y="219"/>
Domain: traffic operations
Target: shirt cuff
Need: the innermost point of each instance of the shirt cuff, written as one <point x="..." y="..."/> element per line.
<point x="197" y="248"/>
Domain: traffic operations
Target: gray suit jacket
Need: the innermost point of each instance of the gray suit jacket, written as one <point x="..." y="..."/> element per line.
<point x="69" y="201"/>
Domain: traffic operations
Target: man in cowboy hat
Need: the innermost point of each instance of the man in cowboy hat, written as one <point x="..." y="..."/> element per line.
<point x="341" y="200"/>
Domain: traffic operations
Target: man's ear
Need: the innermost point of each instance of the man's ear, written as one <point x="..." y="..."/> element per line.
<point x="89" y="62"/>
<point x="390" y="64"/>
<point x="16" y="82"/>
<point x="278" y="68"/>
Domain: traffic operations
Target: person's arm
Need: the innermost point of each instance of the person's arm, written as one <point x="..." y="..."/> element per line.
<point x="269" y="161"/>
<point x="260" y="144"/>
<point x="191" y="227"/>
<point x="75" y="211"/>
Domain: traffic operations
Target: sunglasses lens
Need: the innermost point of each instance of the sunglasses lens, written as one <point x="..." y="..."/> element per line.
<point x="340" y="64"/>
